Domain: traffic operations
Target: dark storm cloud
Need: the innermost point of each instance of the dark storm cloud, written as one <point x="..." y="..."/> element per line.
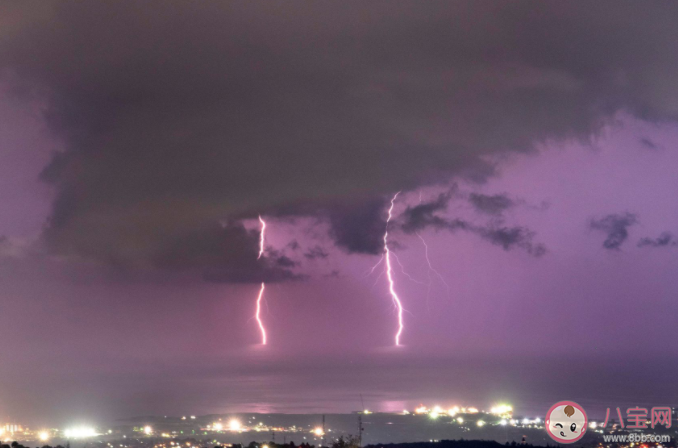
<point x="491" y="204"/>
<point x="666" y="239"/>
<point x="424" y="215"/>
<point x="646" y="142"/>
<point x="316" y="252"/>
<point x="221" y="253"/>
<point x="510" y="237"/>
<point x="359" y="228"/>
<point x="616" y="227"/>
<point x="175" y="115"/>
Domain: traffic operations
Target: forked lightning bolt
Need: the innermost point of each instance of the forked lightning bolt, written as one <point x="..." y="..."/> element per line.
<point x="389" y="274"/>
<point x="262" y="241"/>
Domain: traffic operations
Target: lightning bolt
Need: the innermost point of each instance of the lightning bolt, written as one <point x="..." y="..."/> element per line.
<point x="261" y="325"/>
<point x="261" y="237"/>
<point x="262" y="240"/>
<point x="389" y="274"/>
<point x="430" y="268"/>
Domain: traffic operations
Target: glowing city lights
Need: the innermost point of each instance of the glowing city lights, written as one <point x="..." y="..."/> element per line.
<point x="234" y="425"/>
<point x="501" y="409"/>
<point x="80" y="432"/>
<point x="217" y="426"/>
<point x="43" y="436"/>
<point x="318" y="431"/>
<point x="148" y="430"/>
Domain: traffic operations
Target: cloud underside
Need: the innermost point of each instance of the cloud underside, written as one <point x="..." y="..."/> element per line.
<point x="176" y="116"/>
<point x="615" y="226"/>
<point x="666" y="239"/>
<point x="429" y="214"/>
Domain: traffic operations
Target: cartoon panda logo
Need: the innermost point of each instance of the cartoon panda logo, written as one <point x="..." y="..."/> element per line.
<point x="566" y="422"/>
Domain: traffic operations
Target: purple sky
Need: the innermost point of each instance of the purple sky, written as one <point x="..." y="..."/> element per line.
<point x="132" y="172"/>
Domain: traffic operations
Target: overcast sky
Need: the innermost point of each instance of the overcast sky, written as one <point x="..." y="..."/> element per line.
<point x="533" y="145"/>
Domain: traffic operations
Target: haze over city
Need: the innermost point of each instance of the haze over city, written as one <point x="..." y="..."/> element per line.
<point x="223" y="207"/>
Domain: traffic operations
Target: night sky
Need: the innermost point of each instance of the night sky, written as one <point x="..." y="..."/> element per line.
<point x="533" y="145"/>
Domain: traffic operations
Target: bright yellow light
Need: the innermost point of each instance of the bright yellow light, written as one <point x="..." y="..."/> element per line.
<point x="503" y="422"/>
<point x="318" y="431"/>
<point x="264" y="446"/>
<point x="593" y="425"/>
<point x="472" y="410"/>
<point x="80" y="432"/>
<point x="234" y="425"/>
<point x="217" y="426"/>
<point x="421" y="410"/>
<point x="453" y="411"/>
<point x="2" y="430"/>
<point x="460" y="420"/>
<point x="438" y="409"/>
<point x="148" y="430"/>
<point x="43" y="435"/>
<point x="501" y="409"/>
<point x="434" y="415"/>
<point x="480" y="423"/>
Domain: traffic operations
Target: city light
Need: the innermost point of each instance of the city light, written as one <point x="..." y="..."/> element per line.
<point x="460" y="420"/>
<point x="593" y="425"/>
<point x="318" y="431"/>
<point x="80" y="432"/>
<point x="503" y="422"/>
<point x="480" y="423"/>
<point x="43" y="436"/>
<point x="502" y="409"/>
<point x="148" y="430"/>
<point x="234" y="425"/>
<point x="434" y="415"/>
<point x="217" y="426"/>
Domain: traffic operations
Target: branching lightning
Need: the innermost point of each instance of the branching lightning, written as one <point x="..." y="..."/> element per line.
<point x="261" y="325"/>
<point x="389" y="274"/>
<point x="430" y="268"/>
<point x="257" y="315"/>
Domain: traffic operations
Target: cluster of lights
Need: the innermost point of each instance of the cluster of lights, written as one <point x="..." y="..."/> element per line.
<point x="437" y="411"/>
<point x="80" y="432"/>
<point x="502" y="410"/>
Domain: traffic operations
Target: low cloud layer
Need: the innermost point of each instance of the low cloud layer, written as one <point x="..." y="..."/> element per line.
<point x="666" y="239"/>
<point x="173" y="119"/>
<point x="429" y="214"/>
<point x="616" y="227"/>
